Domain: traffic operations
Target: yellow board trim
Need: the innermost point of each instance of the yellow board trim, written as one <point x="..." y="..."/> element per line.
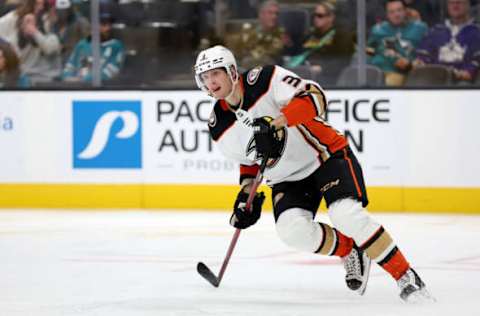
<point x="220" y="197"/>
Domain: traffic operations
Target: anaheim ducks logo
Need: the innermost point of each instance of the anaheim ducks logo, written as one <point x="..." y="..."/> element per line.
<point x="253" y="75"/>
<point x="280" y="135"/>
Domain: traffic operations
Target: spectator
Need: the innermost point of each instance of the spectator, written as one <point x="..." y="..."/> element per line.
<point x="263" y="44"/>
<point x="392" y="43"/>
<point x="28" y="30"/>
<point x="69" y="26"/>
<point x="9" y="68"/>
<point x="79" y="65"/>
<point x="327" y="45"/>
<point x="455" y="43"/>
<point x="427" y="11"/>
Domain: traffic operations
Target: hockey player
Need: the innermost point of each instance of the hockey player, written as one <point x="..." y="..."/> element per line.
<point x="270" y="112"/>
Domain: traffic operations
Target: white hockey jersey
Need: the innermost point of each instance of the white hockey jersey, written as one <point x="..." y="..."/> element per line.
<point x="307" y="141"/>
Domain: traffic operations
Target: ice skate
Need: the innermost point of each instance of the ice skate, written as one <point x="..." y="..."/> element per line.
<point x="357" y="266"/>
<point x="412" y="288"/>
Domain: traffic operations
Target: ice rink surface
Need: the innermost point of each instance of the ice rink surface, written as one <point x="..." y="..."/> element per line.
<point x="116" y="263"/>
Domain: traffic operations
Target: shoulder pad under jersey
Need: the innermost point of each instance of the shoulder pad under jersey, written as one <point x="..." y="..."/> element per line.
<point x="256" y="82"/>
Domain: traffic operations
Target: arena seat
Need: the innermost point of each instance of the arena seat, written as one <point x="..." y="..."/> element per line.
<point x="429" y="75"/>
<point x="349" y="76"/>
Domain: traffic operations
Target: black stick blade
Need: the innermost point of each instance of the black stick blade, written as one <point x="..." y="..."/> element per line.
<point x="207" y="274"/>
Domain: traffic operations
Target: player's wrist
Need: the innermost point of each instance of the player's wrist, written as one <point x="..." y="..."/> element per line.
<point x="280" y="121"/>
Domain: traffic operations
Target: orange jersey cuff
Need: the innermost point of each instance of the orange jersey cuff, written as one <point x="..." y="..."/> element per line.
<point x="299" y="110"/>
<point x="248" y="172"/>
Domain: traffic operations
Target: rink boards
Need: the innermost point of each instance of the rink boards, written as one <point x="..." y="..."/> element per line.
<point x="151" y="149"/>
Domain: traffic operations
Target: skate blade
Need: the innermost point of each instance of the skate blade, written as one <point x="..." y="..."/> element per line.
<point x="420" y="297"/>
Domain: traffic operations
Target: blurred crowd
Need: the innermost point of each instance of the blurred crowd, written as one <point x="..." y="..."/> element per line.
<point x="152" y="43"/>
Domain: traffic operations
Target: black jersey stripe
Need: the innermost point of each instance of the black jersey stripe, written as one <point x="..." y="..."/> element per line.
<point x="324" y="237"/>
<point x="322" y="152"/>
<point x="253" y="92"/>
<point x="318" y="98"/>
<point x="314" y="139"/>
<point x="389" y="256"/>
<point x="373" y="238"/>
<point x="318" y="108"/>
<point x="223" y="121"/>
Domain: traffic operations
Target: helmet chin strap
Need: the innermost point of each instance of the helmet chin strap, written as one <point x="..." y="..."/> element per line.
<point x="234" y="84"/>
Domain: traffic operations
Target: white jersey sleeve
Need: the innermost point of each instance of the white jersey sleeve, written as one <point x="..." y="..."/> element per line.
<point x="286" y="85"/>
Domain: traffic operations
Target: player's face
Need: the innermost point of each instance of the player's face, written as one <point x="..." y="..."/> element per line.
<point x="217" y="82"/>
<point x="396" y="12"/>
<point x="269" y="17"/>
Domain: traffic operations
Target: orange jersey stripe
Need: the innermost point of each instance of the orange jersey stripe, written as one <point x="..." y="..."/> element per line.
<point x="325" y="135"/>
<point x="249" y="170"/>
<point x="397" y="265"/>
<point x="224" y="105"/>
<point x="345" y="244"/>
<point x="352" y="171"/>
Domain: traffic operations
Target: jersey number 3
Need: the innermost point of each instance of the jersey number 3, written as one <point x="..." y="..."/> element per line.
<point x="293" y="81"/>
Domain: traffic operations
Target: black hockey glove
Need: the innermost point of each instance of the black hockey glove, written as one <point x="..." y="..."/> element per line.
<point x="241" y="218"/>
<point x="266" y="141"/>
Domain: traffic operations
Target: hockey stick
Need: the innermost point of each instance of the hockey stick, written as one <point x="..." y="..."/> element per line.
<point x="202" y="269"/>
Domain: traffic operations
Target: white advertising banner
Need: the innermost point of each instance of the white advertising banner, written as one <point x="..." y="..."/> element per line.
<point x="177" y="146"/>
<point x="373" y="122"/>
<point x="11" y="136"/>
<point x="402" y="137"/>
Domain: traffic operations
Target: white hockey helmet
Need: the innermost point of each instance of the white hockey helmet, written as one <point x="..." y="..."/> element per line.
<point x="215" y="57"/>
